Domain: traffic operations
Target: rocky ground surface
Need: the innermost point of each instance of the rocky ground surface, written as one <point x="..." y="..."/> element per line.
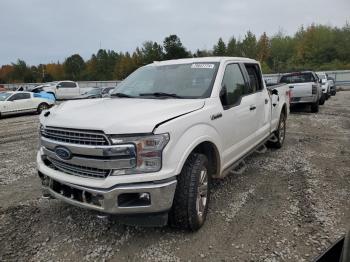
<point x="289" y="205"/>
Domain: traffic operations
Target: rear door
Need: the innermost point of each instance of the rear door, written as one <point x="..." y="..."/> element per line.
<point x="258" y="92"/>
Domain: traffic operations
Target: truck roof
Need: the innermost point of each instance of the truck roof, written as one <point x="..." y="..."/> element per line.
<point x="203" y="60"/>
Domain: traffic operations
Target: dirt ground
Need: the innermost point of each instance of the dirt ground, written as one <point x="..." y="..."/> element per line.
<point x="290" y="204"/>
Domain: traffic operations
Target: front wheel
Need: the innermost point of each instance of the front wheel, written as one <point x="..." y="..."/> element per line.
<point x="42" y="107"/>
<point x="192" y="194"/>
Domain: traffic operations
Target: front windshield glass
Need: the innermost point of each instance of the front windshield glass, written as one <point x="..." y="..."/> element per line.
<point x="4" y="96"/>
<point x="193" y="80"/>
<point x="322" y="76"/>
<point x="94" y="91"/>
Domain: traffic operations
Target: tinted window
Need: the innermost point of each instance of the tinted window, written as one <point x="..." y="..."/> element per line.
<point x="298" y="78"/>
<point x="19" y="96"/>
<point x="68" y="84"/>
<point x="234" y="83"/>
<point x="254" y="78"/>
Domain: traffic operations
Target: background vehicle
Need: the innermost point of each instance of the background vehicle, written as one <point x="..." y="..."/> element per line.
<point x="22" y="102"/>
<point x="61" y="89"/>
<point x="305" y="88"/>
<point x="331" y="80"/>
<point x="155" y="145"/>
<point x="325" y="84"/>
<point x="97" y="92"/>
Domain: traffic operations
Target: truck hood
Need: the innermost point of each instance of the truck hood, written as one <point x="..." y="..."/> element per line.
<point x="118" y="115"/>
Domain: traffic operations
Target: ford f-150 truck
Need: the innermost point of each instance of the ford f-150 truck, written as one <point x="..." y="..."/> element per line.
<point x="151" y="150"/>
<point x="61" y="89"/>
<point x="305" y="88"/>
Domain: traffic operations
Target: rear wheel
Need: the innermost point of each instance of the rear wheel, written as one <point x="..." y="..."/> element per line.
<point x="42" y="107"/>
<point x="190" y="206"/>
<point x="315" y="107"/>
<point x="280" y="133"/>
<point x="322" y="99"/>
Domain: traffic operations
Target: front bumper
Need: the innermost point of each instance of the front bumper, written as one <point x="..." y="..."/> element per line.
<point x="138" y="198"/>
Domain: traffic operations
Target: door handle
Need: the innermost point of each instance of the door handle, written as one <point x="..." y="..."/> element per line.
<point x="291" y="87"/>
<point x="252" y="108"/>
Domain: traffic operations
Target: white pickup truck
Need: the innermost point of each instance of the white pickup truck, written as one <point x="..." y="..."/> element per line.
<point x="305" y="89"/>
<point x="151" y="150"/>
<point x="60" y="89"/>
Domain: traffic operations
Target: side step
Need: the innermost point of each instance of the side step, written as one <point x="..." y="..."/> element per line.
<point x="261" y="149"/>
<point x="239" y="168"/>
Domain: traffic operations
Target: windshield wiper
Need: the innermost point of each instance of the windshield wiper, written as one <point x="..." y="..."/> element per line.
<point x="121" y="95"/>
<point x="161" y="94"/>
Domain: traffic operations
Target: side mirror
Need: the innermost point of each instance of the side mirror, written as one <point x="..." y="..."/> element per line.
<point x="274" y="92"/>
<point x="58" y="86"/>
<point x="320" y="81"/>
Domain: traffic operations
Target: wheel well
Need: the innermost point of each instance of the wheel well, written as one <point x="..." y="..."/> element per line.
<point x="212" y="153"/>
<point x="284" y="110"/>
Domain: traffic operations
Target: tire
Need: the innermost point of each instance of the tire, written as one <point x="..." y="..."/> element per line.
<point x="280" y="133"/>
<point x="192" y="194"/>
<point x="42" y="107"/>
<point x="315" y="107"/>
<point x="322" y="99"/>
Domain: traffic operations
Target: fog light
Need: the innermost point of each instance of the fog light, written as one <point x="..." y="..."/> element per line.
<point x="145" y="196"/>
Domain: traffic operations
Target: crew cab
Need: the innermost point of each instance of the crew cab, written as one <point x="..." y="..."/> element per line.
<point x="23" y="102"/>
<point x="305" y="89"/>
<point x="61" y="89"/>
<point x="152" y="149"/>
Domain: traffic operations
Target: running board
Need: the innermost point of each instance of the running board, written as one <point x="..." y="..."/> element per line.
<point x="261" y="149"/>
<point x="239" y="168"/>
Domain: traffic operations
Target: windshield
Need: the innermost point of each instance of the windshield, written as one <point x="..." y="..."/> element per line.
<point x="321" y="76"/>
<point x="94" y="91"/>
<point x="297" y="78"/>
<point x="4" y="96"/>
<point x="193" y="80"/>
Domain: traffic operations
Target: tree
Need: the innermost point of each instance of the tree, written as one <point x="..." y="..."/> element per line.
<point x="220" y="48"/>
<point x="74" y="66"/>
<point x="249" y="45"/>
<point x="173" y="48"/>
<point x="263" y="48"/>
<point x="151" y="51"/>
<point x="232" y="47"/>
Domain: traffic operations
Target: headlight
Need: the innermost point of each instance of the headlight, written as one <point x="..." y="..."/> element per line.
<point x="149" y="150"/>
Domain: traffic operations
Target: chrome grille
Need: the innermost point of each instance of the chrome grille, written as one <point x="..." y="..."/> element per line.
<point x="73" y="136"/>
<point x="79" y="170"/>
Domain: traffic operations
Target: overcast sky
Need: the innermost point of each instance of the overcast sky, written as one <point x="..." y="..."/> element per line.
<point x="42" y="31"/>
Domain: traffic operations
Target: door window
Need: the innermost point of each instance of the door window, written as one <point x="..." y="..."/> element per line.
<point x="233" y="86"/>
<point x="19" y="96"/>
<point x="68" y="85"/>
<point x="255" y="83"/>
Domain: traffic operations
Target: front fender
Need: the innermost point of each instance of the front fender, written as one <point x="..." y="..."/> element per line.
<point x="188" y="141"/>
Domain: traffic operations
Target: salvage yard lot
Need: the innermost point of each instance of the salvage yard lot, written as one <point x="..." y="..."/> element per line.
<point x="289" y="205"/>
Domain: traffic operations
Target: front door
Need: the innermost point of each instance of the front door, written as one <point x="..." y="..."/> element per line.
<point x="237" y="124"/>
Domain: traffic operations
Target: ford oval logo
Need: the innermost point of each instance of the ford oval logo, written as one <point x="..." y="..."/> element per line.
<point x="63" y="152"/>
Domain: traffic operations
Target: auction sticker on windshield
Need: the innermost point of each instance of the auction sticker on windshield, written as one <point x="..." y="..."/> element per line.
<point x="203" y="66"/>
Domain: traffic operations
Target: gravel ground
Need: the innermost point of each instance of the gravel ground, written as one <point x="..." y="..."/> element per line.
<point x="289" y="205"/>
